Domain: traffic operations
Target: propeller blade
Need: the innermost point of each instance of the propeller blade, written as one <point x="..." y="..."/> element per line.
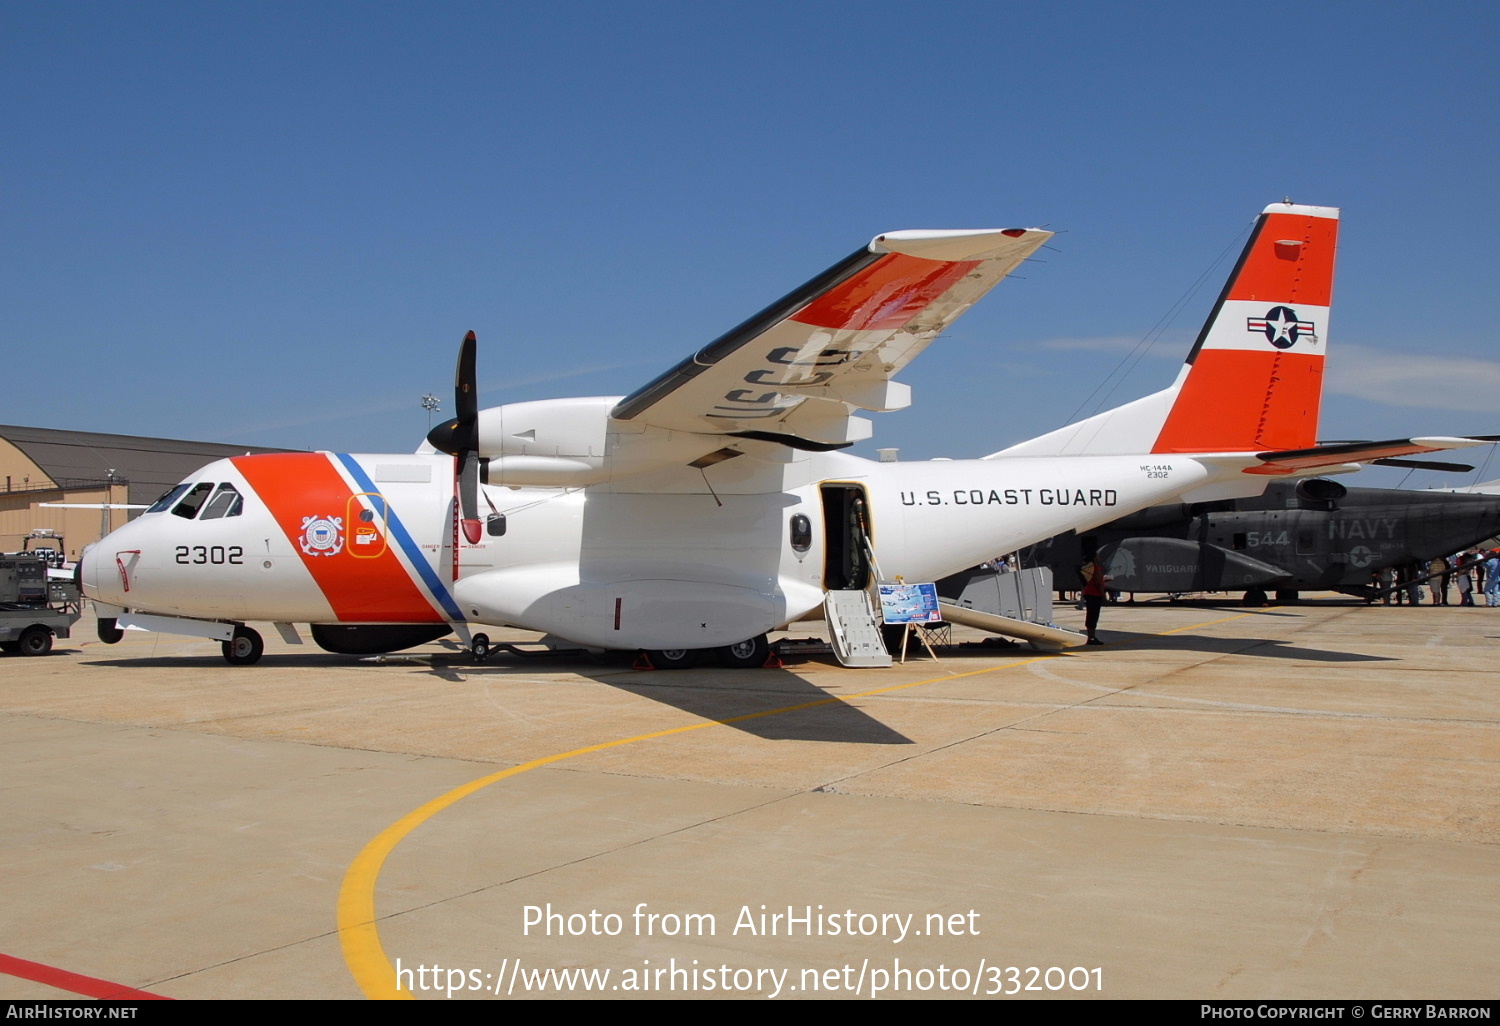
<point x="468" y="495"/>
<point x="461" y="434"/>
<point x="459" y="438"/>
<point x="465" y="388"/>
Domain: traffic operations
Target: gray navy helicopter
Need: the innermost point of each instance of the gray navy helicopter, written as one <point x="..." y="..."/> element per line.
<point x="1312" y="535"/>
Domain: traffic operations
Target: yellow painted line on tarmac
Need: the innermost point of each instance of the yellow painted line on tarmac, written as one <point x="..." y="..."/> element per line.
<point x="359" y="935"/>
<point x="1210" y="623"/>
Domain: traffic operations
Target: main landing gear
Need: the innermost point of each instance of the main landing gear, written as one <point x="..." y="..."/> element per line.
<point x="745" y="655"/>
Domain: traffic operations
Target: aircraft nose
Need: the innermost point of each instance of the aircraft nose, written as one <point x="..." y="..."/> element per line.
<point x="81" y="578"/>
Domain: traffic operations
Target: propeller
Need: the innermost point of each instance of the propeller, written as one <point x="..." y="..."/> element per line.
<point x="459" y="438"/>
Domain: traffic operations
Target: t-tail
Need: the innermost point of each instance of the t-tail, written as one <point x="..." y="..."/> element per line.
<point x="1254" y="379"/>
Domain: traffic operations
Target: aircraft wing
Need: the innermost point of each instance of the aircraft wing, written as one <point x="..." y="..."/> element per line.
<point x="1292" y="460"/>
<point x="795" y="372"/>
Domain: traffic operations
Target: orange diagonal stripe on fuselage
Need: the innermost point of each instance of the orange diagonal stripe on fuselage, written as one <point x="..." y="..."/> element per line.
<point x="298" y="485"/>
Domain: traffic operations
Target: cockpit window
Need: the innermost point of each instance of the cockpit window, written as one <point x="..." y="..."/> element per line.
<point x="227" y="502"/>
<point x="188" y="507"/>
<point x="168" y="497"/>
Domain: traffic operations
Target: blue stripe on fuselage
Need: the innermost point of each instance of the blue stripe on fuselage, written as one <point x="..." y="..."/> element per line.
<point x="435" y="587"/>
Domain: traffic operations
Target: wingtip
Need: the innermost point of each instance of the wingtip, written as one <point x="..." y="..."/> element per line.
<point x="957" y="244"/>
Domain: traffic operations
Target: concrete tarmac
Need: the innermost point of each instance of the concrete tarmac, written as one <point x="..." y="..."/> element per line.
<point x="1221" y="803"/>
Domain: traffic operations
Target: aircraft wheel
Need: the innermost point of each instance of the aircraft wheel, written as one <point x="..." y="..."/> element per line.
<point x="673" y="658"/>
<point x="34" y="641"/>
<point x="1286" y="595"/>
<point x="747" y="655"/>
<point x="109" y="632"/>
<point x="1255" y="597"/>
<point x="244" y="649"/>
<point x="11" y="647"/>
<point x="479" y="647"/>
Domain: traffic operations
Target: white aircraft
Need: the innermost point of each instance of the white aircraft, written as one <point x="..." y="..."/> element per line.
<point x="712" y="505"/>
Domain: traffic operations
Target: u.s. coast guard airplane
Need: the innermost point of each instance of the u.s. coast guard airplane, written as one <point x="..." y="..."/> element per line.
<point x="713" y="505"/>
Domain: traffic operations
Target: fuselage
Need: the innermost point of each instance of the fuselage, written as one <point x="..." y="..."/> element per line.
<point x="686" y="557"/>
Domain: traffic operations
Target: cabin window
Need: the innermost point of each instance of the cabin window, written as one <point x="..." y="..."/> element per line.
<point x="188" y="507"/>
<point x="227" y="502"/>
<point x="801" y="529"/>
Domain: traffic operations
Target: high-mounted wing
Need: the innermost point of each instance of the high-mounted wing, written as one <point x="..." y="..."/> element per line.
<point x="796" y="371"/>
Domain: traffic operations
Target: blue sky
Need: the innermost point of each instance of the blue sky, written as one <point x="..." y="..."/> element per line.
<point x="271" y="223"/>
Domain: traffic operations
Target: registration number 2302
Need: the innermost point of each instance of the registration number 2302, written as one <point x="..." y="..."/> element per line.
<point x="215" y="554"/>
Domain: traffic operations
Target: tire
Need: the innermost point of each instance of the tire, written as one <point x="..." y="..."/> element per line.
<point x="10" y="647"/>
<point x="479" y="647"/>
<point x="109" y="631"/>
<point x="747" y="655"/>
<point x="673" y="658"/>
<point x="1286" y="595"/>
<point x="35" y="640"/>
<point x="244" y="649"/>
<point x="1255" y="597"/>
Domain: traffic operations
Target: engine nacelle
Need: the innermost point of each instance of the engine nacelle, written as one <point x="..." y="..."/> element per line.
<point x="549" y="442"/>
<point x="567" y="428"/>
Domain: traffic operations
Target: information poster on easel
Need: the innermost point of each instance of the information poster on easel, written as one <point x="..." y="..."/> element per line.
<point x="909" y="603"/>
<point x="915" y="606"/>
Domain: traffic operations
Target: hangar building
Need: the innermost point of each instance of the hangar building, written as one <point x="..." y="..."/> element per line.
<point x="40" y="465"/>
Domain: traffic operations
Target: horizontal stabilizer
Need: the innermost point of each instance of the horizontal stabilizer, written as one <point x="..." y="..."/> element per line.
<point x="1291" y="460"/>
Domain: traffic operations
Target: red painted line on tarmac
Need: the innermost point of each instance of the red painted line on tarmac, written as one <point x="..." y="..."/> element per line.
<point x="74" y="983"/>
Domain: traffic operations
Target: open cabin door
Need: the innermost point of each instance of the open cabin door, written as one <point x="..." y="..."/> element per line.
<point x="849" y="572"/>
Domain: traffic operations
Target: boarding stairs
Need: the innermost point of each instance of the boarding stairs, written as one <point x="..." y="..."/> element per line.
<point x="854" y="629"/>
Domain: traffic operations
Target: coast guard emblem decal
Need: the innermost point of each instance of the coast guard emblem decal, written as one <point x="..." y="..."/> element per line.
<point x="322" y="536"/>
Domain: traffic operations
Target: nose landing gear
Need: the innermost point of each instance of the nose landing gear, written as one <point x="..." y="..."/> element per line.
<point x="244" y="649"/>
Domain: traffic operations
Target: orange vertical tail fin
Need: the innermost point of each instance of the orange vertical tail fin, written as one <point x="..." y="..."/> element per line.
<point x="1254" y="379"/>
<point x="1255" y="376"/>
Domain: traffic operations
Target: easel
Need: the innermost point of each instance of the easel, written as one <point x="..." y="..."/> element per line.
<point x="896" y="606"/>
<point x="924" y="633"/>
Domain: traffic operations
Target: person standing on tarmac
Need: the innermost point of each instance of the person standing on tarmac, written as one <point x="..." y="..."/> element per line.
<point x="1091" y="573"/>
<point x="1413" y="570"/>
<point x="1438" y="581"/>
<point x="1463" y="576"/>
